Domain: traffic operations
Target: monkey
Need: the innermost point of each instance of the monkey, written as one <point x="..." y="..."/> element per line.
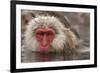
<point x="49" y="32"/>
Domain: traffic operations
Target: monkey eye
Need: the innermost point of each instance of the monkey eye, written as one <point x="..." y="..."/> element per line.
<point x="49" y="33"/>
<point x="40" y="33"/>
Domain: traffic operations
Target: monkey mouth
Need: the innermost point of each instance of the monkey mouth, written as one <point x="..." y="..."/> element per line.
<point x="44" y="48"/>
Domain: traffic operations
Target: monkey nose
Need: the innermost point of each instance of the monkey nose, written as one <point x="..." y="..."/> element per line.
<point x="44" y="42"/>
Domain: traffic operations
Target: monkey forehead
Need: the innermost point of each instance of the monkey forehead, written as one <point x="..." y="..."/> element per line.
<point x="46" y="21"/>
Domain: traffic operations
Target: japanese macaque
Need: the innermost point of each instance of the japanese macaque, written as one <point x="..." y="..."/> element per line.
<point x="47" y="32"/>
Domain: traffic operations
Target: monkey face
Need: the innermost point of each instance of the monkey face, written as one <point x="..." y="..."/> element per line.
<point x="45" y="37"/>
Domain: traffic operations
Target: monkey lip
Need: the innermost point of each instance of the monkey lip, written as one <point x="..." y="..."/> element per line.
<point x="44" y="48"/>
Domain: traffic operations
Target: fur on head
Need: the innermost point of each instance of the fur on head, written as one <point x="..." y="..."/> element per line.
<point x="64" y="39"/>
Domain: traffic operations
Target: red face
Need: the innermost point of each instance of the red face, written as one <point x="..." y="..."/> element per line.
<point x="45" y="37"/>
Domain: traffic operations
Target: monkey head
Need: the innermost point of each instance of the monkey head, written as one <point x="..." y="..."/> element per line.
<point x="47" y="33"/>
